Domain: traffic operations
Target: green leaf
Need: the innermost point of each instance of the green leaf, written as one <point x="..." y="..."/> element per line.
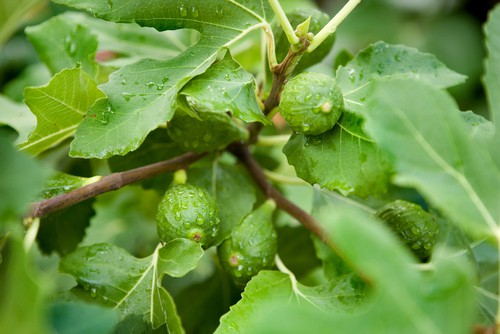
<point x="18" y="117"/>
<point x="492" y="75"/>
<point x="492" y="72"/>
<point x="63" y="230"/>
<point x="20" y="180"/>
<point x="62" y="44"/>
<point x="232" y="189"/>
<point x="280" y="288"/>
<point x="480" y="129"/>
<point x="59" y="107"/>
<point x="128" y="41"/>
<point x="22" y="302"/>
<point x="201" y="305"/>
<point x="381" y="60"/>
<point x="114" y="278"/>
<point x="433" y="151"/>
<point x="156" y="147"/>
<point x="226" y="86"/>
<point x="82" y="318"/>
<point x="143" y="95"/>
<point x="340" y="160"/>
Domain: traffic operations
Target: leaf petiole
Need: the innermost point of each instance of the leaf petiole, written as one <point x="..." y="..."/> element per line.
<point x="331" y="27"/>
<point x="285" y="23"/>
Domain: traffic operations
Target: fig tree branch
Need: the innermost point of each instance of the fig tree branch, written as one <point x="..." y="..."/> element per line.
<point x="109" y="183"/>
<point x="257" y="173"/>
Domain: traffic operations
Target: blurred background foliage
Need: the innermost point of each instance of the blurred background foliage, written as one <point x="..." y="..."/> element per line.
<point x="450" y="29"/>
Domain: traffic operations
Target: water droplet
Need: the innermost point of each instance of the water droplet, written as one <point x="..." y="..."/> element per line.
<point x="415" y="230"/>
<point x="124" y="82"/>
<point x="308" y="97"/>
<point x="398" y="57"/>
<point x="93" y="292"/>
<point x="207" y="137"/>
<point x="183" y="10"/>
<point x="199" y="221"/>
<point x="187" y="225"/>
<point x="227" y="77"/>
<point x="194" y="11"/>
<point x="127" y="96"/>
<point x="160" y="86"/>
<point x="150" y="84"/>
<point x="164" y="80"/>
<point x="380" y="68"/>
<point x="218" y="10"/>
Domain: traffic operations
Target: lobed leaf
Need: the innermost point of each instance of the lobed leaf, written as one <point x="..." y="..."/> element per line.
<point x="340" y="160"/>
<point x="143" y="95"/>
<point x="18" y="117"/>
<point x="278" y="289"/>
<point x="59" y="108"/>
<point x="133" y="286"/>
<point x="226" y="86"/>
<point x="433" y="151"/>
<point x="60" y="44"/>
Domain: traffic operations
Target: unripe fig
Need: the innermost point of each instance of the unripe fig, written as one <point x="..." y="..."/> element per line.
<point x="311" y="103"/>
<point x="251" y="247"/>
<point x="416" y="228"/>
<point x="188" y="211"/>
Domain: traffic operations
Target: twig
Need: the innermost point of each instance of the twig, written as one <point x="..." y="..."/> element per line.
<point x="109" y="183"/>
<point x="243" y="153"/>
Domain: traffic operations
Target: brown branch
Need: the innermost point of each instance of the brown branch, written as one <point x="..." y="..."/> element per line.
<point x="109" y="183"/>
<point x="243" y="153"/>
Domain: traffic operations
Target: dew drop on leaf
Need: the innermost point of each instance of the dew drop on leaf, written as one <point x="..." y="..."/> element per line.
<point x="194" y="12"/>
<point x="183" y="10"/>
<point x="93" y="292"/>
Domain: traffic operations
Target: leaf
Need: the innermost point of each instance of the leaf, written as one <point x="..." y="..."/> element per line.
<point x="433" y="151"/>
<point x="22" y="302"/>
<point x="492" y="75"/>
<point x="133" y="286"/>
<point x="480" y="129"/>
<point x="62" y="231"/>
<point x="59" y="107"/>
<point x="61" y="44"/>
<point x="18" y="117"/>
<point x="226" y="86"/>
<point x="128" y="41"/>
<point x="82" y="318"/>
<point x="280" y="288"/>
<point x="492" y="72"/>
<point x="20" y="180"/>
<point x="232" y="189"/>
<point x="201" y="305"/>
<point x="143" y="95"/>
<point x="339" y="160"/>
<point x="156" y="147"/>
<point x="289" y="240"/>
<point x="381" y="60"/>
